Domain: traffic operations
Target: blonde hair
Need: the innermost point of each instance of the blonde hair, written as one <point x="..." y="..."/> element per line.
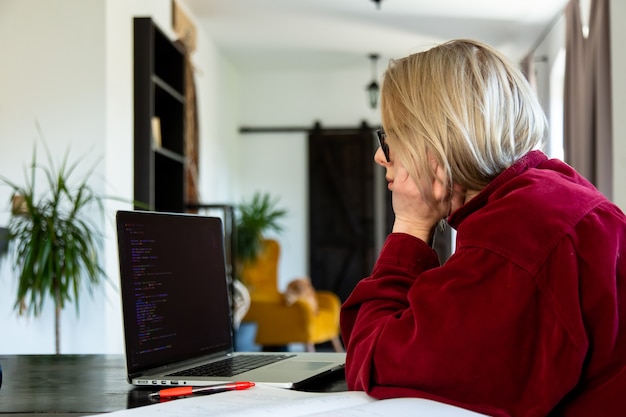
<point x="463" y="104"/>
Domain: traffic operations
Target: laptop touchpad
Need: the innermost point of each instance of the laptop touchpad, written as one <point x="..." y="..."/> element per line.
<point x="300" y="365"/>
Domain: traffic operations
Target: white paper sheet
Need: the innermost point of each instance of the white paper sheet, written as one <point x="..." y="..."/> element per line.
<point x="265" y="401"/>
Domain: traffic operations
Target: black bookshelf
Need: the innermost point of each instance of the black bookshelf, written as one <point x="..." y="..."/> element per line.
<point x="159" y="119"/>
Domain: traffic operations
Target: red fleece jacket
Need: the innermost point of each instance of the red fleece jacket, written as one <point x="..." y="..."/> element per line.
<point x="526" y="318"/>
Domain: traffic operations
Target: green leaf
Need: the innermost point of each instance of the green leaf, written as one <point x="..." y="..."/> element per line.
<point x="255" y="218"/>
<point x="52" y="237"/>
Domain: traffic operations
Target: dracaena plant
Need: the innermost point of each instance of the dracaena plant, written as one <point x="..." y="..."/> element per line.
<point x="256" y="217"/>
<point x="53" y="240"/>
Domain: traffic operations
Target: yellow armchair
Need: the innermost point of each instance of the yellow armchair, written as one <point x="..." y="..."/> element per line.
<point x="279" y="324"/>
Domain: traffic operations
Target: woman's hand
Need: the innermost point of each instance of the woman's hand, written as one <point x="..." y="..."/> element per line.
<point x="413" y="214"/>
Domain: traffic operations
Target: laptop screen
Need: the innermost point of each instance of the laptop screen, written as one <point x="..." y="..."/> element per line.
<point x="174" y="288"/>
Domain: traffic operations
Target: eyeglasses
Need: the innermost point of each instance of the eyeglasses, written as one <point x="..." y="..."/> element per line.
<point x="383" y="144"/>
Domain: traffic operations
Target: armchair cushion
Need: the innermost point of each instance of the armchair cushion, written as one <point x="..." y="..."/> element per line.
<point x="280" y="324"/>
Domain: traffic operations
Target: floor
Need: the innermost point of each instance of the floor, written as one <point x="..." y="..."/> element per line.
<point x="244" y="341"/>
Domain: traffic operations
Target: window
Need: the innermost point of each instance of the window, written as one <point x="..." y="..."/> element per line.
<point x="557" y="82"/>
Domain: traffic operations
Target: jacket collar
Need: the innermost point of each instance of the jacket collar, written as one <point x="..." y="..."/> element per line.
<point x="531" y="160"/>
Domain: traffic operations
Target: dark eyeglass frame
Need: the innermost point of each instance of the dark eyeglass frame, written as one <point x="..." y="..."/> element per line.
<point x="382" y="136"/>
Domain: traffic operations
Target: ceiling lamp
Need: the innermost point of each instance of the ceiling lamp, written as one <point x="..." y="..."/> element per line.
<point x="373" y="90"/>
<point x="377" y="3"/>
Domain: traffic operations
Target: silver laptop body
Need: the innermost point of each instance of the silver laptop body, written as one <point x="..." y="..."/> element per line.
<point x="176" y="306"/>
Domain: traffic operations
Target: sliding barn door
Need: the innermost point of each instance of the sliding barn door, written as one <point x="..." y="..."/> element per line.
<point x="343" y="207"/>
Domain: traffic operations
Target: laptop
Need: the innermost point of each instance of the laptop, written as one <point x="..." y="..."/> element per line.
<point x="177" y="311"/>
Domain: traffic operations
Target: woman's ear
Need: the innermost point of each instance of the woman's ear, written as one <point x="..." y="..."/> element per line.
<point x="440" y="182"/>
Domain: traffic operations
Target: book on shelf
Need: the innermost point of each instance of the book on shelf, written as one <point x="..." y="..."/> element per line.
<point x="156" y="132"/>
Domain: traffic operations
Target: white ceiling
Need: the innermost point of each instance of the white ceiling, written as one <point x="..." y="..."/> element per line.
<point x="331" y="34"/>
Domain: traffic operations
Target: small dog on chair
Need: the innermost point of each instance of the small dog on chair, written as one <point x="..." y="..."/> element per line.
<point x="301" y="289"/>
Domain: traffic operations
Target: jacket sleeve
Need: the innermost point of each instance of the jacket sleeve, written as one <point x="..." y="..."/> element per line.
<point x="467" y="336"/>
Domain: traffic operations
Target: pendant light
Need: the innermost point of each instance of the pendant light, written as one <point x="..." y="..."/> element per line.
<point x="373" y="90"/>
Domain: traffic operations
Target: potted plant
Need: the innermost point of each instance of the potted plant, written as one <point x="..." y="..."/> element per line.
<point x="52" y="238"/>
<point x="256" y="217"/>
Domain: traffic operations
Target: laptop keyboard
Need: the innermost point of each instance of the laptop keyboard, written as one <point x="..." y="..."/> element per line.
<point x="232" y="366"/>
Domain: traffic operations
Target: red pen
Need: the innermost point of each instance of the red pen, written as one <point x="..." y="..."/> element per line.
<point x="209" y="389"/>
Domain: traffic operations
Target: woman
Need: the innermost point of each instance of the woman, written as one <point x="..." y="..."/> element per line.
<point x="528" y="316"/>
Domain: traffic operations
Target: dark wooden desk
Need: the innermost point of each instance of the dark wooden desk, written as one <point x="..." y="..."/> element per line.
<point x="73" y="385"/>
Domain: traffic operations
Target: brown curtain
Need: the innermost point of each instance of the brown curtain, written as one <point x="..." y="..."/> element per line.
<point x="587" y="127"/>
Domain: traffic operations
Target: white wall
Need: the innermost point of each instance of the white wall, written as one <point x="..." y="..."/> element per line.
<point x="51" y="76"/>
<point x="545" y="56"/>
<point x="68" y="65"/>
